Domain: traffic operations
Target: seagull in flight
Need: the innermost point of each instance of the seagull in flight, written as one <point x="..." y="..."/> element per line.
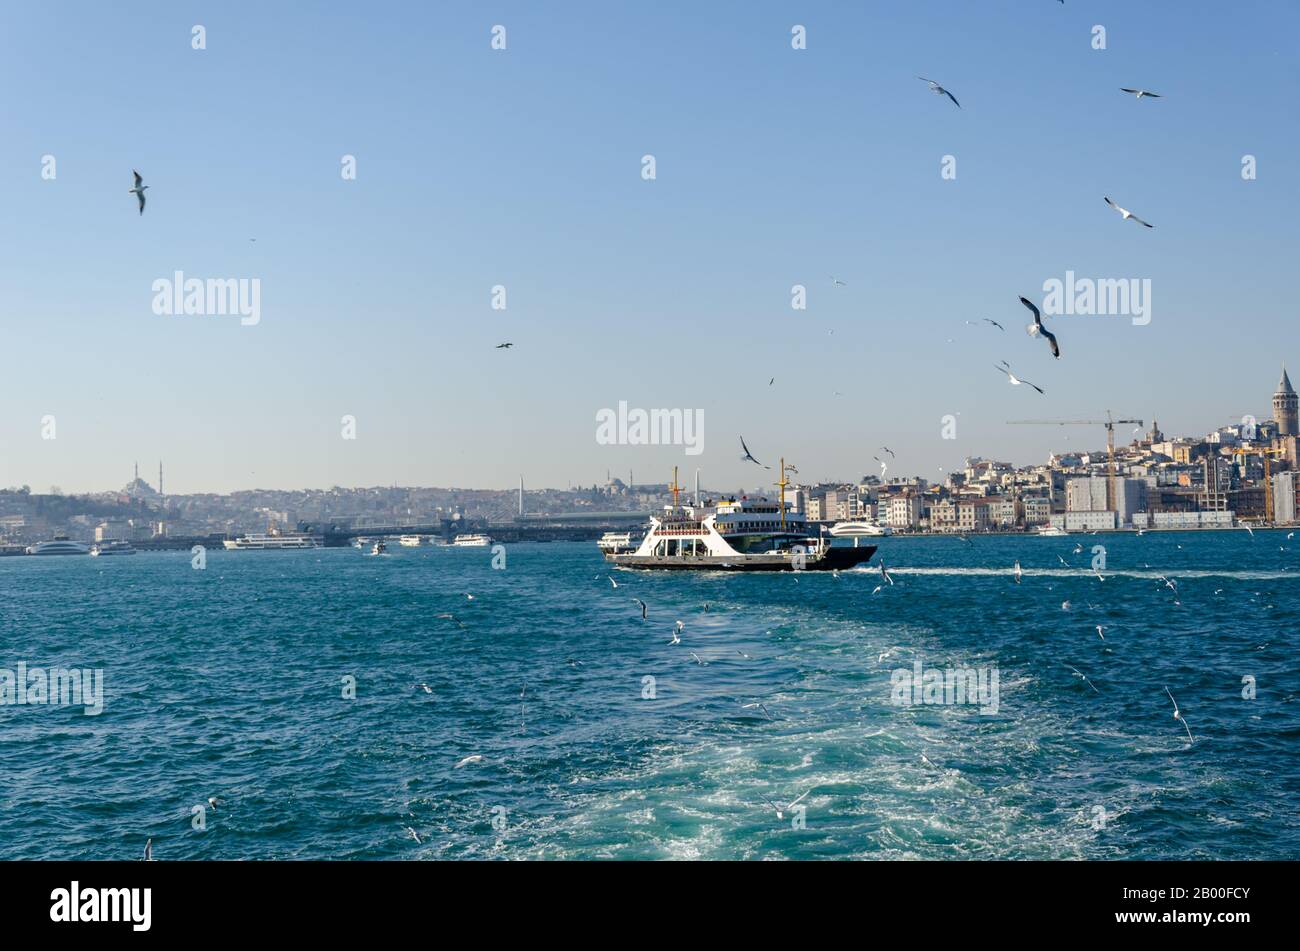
<point x="504" y="346"/>
<point x="1078" y="673"/>
<point x="476" y="758"/>
<point x="1015" y="380"/>
<point x="1017" y="571"/>
<point x="1100" y="629"/>
<point x="781" y="810"/>
<point x="612" y="581"/>
<point x="1140" y="93"/>
<point x="1036" y="329"/>
<point x="148" y="850"/>
<point x="890" y="451"/>
<point x="939" y="90"/>
<point x="414" y="835"/>
<point x="138" y="190"/>
<point x="748" y="456"/>
<point x="884" y="573"/>
<point x="835" y="282"/>
<point x="1126" y="214"/>
<point x="696" y="658"/>
<point x="643" y="607"/>
<point x="988" y="321"/>
<point x="1179" y="716"/>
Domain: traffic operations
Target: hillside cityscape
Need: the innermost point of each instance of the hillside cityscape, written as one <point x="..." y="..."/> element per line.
<point x="1243" y="473"/>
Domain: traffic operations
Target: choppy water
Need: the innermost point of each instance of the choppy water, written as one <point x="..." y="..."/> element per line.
<point x="228" y="682"/>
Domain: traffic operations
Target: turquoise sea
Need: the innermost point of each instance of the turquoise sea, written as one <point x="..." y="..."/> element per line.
<point x="230" y="682"/>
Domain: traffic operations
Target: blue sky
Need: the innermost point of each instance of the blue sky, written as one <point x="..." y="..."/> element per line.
<point x="522" y="168"/>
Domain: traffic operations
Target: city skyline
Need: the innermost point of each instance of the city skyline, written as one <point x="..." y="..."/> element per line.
<point x="522" y="168"/>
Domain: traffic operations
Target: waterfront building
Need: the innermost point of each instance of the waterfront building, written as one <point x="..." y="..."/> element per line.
<point x="1286" y="497"/>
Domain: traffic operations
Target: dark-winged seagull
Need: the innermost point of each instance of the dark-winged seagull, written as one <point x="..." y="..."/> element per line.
<point x="138" y="191"/>
<point x="748" y="456"/>
<point x="1036" y="329"/>
<point x="940" y="91"/>
<point x="1140" y="93"/>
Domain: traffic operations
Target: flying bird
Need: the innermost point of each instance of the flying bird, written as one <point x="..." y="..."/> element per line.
<point x="1100" y="629"/>
<point x="1015" y="380"/>
<point x="781" y="810"/>
<point x="748" y="456"/>
<point x="148" y="850"/>
<point x="1140" y="93"/>
<point x="138" y="190"/>
<point x="888" y="450"/>
<point x="1126" y="214"/>
<point x="1036" y="329"/>
<point x="643" y="607"/>
<point x="612" y="581"/>
<point x="1017" y="572"/>
<point x="1179" y="716"/>
<point x="1078" y="673"/>
<point x="414" y="835"/>
<point x="884" y="573"/>
<point x="476" y="758"/>
<point x="504" y="346"/>
<point x="940" y="91"/>
<point x="837" y="283"/>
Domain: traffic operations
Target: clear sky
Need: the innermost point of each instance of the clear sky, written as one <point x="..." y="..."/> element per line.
<point x="522" y="167"/>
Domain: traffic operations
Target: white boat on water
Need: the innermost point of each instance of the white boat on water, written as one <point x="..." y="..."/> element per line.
<point x="472" y="541"/>
<point x="859" y="528"/>
<point x="615" y="542"/>
<point x="59" y="545"/>
<point x="745" y="534"/>
<point x="267" y="541"/>
<point x="1052" y="531"/>
<point x="379" y="548"/>
<point x="113" y="546"/>
<point x="411" y="541"/>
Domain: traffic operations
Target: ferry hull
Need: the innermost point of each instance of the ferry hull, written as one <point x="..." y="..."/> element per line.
<point x="832" y="559"/>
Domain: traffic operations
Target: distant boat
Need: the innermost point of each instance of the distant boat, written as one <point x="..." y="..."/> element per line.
<point x="379" y="548"/>
<point x="411" y="541"/>
<point x="615" y="542"/>
<point x="472" y="541"/>
<point x="60" y="545"/>
<point x="113" y="546"/>
<point x="260" y="541"/>
<point x="859" y="528"/>
<point x="1052" y="531"/>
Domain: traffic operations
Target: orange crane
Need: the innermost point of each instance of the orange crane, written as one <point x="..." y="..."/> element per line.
<point x="1268" y="474"/>
<point x="1110" y="422"/>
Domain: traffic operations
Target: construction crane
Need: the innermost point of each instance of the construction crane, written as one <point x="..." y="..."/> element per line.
<point x="1268" y="474"/>
<point x="1110" y="423"/>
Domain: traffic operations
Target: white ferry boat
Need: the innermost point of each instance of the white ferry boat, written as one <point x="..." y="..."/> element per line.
<point x="113" y="546"/>
<point x="472" y="541"/>
<point x="736" y="535"/>
<point x="60" y="545"/>
<point x="268" y="541"/>
<point x="859" y="528"/>
<point x="615" y="542"/>
<point x="411" y="541"/>
<point x="1052" y="531"/>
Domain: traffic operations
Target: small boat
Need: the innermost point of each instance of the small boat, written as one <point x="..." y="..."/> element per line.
<point x="379" y="548"/>
<point x="114" y="546"/>
<point x="411" y="541"/>
<point x="615" y="542"/>
<point x="472" y="541"/>
<point x="1052" y="531"/>
<point x="859" y="528"/>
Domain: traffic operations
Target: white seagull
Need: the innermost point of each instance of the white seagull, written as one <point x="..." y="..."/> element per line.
<point x="1126" y="214"/>
<point x="148" y="850"/>
<point x="1179" y="716"/>
<point x="476" y="758"/>
<point x="1015" y="380"/>
<point x="939" y="90"/>
<point x="1140" y="93"/>
<point x="1017" y="572"/>
<point x="781" y="810"/>
<point x="139" y="189"/>
<point x="1078" y="673"/>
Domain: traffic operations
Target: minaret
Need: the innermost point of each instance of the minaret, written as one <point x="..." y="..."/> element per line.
<point x="1286" y="408"/>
